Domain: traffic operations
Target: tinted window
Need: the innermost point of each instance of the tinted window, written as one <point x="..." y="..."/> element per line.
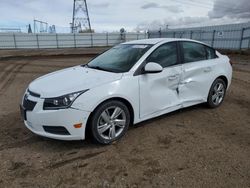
<point x="165" y="55"/>
<point x="210" y="53"/>
<point x="193" y="52"/>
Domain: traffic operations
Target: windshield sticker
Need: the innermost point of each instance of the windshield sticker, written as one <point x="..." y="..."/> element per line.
<point x="140" y="46"/>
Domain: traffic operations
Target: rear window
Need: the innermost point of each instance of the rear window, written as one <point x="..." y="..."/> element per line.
<point x="210" y="53"/>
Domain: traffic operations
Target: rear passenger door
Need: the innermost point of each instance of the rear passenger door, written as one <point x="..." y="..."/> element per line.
<point x="198" y="67"/>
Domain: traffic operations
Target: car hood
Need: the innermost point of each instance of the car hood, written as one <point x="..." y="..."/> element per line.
<point x="71" y="80"/>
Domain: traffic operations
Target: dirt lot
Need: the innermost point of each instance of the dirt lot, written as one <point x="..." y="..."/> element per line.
<point x="194" y="147"/>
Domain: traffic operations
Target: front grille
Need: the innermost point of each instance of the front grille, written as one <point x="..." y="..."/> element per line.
<point x="59" y="130"/>
<point x="28" y="105"/>
<point x="34" y="94"/>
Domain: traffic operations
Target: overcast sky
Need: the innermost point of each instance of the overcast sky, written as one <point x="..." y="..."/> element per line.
<point x="111" y="15"/>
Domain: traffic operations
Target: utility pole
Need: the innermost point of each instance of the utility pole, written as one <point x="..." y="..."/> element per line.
<point x="80" y="18"/>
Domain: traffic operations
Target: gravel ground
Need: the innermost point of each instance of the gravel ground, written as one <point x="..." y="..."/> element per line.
<point x="193" y="147"/>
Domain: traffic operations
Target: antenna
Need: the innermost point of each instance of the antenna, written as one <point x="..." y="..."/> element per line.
<point x="80" y="20"/>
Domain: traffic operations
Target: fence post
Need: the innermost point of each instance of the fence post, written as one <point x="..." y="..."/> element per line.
<point x="37" y="41"/>
<point x="57" y="45"/>
<point x="91" y="39"/>
<point x="137" y="36"/>
<point x="191" y="34"/>
<point x="213" y="36"/>
<point x="249" y="43"/>
<point x="160" y="33"/>
<point x="241" y="38"/>
<point x="74" y="40"/>
<point x="148" y="34"/>
<point x="107" y="38"/>
<point x="14" y="37"/>
<point x="174" y="34"/>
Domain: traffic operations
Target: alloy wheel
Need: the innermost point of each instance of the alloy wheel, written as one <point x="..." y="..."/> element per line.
<point x="218" y="93"/>
<point x="111" y="122"/>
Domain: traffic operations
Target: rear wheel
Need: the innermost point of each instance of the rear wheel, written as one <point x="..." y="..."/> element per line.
<point x="217" y="93"/>
<point x="110" y="121"/>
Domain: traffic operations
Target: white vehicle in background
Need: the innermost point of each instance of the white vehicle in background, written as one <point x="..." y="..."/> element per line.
<point x="127" y="84"/>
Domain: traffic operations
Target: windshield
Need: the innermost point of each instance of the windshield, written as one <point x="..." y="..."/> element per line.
<point x="120" y="58"/>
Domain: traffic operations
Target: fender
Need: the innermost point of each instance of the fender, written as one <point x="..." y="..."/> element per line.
<point x="91" y="99"/>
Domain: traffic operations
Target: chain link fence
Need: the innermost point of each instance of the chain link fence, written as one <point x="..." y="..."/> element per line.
<point x="77" y="40"/>
<point x="217" y="38"/>
<point x="234" y="36"/>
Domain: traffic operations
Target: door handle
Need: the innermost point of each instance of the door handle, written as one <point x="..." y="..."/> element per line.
<point x="208" y="69"/>
<point x="173" y="77"/>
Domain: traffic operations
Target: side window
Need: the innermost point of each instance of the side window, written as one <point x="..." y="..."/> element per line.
<point x="165" y="55"/>
<point x="193" y="52"/>
<point x="210" y="53"/>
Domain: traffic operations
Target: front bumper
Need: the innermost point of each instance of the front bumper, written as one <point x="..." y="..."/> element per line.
<point x="36" y="119"/>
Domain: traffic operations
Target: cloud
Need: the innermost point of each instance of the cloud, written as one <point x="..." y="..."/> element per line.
<point x="100" y="5"/>
<point x="150" y="5"/>
<point x="221" y="13"/>
<point x="185" y="22"/>
<point x="230" y="9"/>
<point x="111" y="15"/>
<point x="172" y="23"/>
<point x="170" y="8"/>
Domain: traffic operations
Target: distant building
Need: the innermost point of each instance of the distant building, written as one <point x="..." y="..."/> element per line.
<point x="10" y="30"/>
<point x="52" y="29"/>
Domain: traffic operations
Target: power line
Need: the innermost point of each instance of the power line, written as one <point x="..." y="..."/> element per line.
<point x="192" y="4"/>
<point x="201" y="4"/>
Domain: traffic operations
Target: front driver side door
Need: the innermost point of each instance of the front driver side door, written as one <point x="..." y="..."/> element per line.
<point x="159" y="91"/>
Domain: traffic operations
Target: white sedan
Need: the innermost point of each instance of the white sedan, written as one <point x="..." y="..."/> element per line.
<point x="125" y="85"/>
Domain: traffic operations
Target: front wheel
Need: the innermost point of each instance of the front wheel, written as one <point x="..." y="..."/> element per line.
<point x="217" y="93"/>
<point x="110" y="121"/>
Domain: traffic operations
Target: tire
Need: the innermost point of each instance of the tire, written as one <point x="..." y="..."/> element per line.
<point x="216" y="93"/>
<point x="110" y="121"/>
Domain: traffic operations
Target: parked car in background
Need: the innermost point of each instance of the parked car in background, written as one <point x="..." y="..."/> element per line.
<point x="125" y="85"/>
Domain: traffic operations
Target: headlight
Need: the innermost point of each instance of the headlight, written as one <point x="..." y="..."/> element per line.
<point x="61" y="102"/>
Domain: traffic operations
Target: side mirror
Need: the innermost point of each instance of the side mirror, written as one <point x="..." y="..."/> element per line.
<point x="152" y="67"/>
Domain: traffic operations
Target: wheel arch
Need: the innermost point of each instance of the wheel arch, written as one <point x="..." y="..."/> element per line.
<point x="123" y="100"/>
<point x="224" y="78"/>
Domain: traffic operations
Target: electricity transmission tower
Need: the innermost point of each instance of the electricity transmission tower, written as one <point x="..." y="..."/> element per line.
<point x="80" y="20"/>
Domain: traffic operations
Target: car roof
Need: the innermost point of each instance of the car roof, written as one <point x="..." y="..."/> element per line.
<point x="154" y="41"/>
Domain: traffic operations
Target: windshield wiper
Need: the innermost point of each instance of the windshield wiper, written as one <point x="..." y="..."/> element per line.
<point x="99" y="68"/>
